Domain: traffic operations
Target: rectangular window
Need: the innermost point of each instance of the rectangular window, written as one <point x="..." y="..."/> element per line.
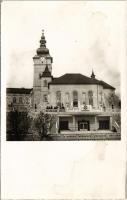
<point x="45" y="83"/>
<point x="45" y="98"/>
<point x="20" y="100"/>
<point x="14" y="99"/>
<point x="27" y="100"/>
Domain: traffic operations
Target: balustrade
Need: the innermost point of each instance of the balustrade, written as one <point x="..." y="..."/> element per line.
<point x="82" y="108"/>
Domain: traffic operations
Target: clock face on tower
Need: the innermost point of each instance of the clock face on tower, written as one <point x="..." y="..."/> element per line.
<point x="43" y="59"/>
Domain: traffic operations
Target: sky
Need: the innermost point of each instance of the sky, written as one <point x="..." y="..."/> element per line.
<point x="80" y="35"/>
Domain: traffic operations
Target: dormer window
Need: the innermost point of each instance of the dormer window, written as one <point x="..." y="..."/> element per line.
<point x="45" y="83"/>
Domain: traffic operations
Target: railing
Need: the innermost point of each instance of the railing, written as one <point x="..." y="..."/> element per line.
<point x="87" y="108"/>
<point x="77" y="109"/>
<point x="55" y="110"/>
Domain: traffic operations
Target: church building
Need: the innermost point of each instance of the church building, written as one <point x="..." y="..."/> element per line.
<point x="80" y="103"/>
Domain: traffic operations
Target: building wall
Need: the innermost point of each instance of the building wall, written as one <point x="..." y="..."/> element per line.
<point x="99" y="95"/>
<point x="74" y="125"/>
<point x="39" y="67"/>
<point x="20" y="106"/>
<point x="80" y="89"/>
<point x="93" y="121"/>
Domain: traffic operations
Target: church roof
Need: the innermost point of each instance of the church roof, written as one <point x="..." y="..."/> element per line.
<point x="19" y="90"/>
<point x="74" y="79"/>
<point x="78" y="79"/>
<point x="106" y="85"/>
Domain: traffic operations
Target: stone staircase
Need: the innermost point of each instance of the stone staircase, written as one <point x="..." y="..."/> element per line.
<point x="87" y="136"/>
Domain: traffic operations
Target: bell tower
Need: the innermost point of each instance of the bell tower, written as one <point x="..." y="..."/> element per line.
<point x="41" y="60"/>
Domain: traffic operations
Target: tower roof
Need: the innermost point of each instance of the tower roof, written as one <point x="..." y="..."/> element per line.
<point x="42" y="50"/>
<point x="46" y="72"/>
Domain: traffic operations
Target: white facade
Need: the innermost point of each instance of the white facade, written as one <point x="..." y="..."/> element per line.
<point x="79" y="102"/>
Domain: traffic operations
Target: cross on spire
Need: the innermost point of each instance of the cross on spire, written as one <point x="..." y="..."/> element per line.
<point x="42" y="32"/>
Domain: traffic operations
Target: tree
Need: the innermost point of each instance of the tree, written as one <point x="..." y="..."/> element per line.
<point x="43" y="123"/>
<point x="114" y="100"/>
<point x="18" y="124"/>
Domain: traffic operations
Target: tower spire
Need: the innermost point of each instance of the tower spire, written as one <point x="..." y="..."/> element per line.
<point x="43" y="41"/>
<point x="92" y="75"/>
<point x="42" y="50"/>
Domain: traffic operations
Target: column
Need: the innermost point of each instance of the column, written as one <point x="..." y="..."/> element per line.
<point x="95" y="121"/>
<point x="74" y="125"/>
<point x="110" y="123"/>
<point x="57" y="125"/>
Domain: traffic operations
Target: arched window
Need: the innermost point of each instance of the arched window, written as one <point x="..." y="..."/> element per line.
<point x="75" y="98"/>
<point x="45" y="83"/>
<point x="58" y="98"/>
<point x="14" y="99"/>
<point x="84" y="98"/>
<point x="67" y="97"/>
<point x="45" y="98"/>
<point x="90" y="96"/>
<point x="101" y="97"/>
<point x="20" y="100"/>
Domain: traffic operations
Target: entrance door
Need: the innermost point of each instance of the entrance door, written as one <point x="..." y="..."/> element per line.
<point x="104" y="125"/>
<point x="64" y="125"/>
<point x="83" y="125"/>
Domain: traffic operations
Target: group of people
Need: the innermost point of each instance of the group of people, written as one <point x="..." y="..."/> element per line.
<point x="61" y="107"/>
